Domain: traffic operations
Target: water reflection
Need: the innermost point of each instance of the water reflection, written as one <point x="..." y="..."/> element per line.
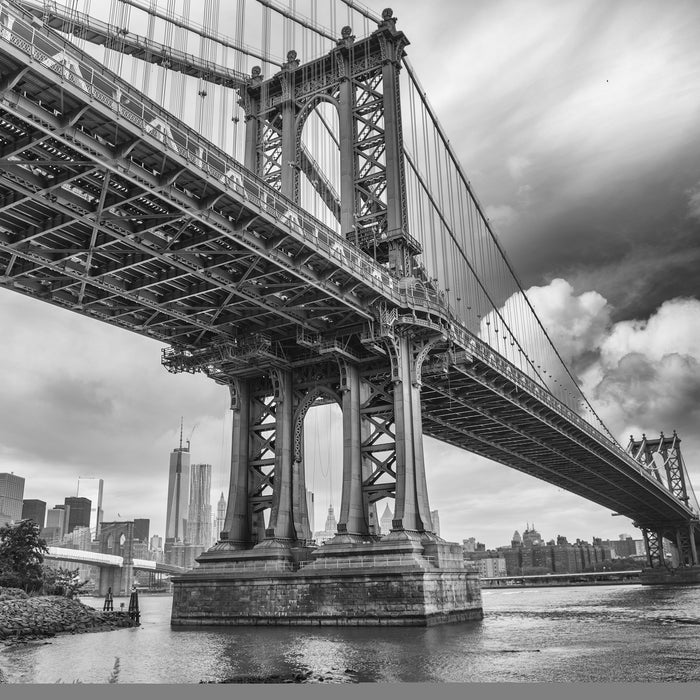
<point x="606" y="633"/>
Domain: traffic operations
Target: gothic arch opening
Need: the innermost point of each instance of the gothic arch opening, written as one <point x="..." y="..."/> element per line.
<point x="318" y="160"/>
<point x="323" y="463"/>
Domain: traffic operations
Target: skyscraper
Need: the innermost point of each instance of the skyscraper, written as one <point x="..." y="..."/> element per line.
<point x="220" y="518"/>
<point x="330" y="529"/>
<point x="435" y="517"/>
<point x="91" y="487"/>
<point x="385" y="521"/>
<point x="178" y="493"/>
<point x="142" y="527"/>
<point x="11" y="497"/>
<point x="199" y="514"/>
<point x="56" y="523"/>
<point x="79" y="515"/>
<point x="34" y="509"/>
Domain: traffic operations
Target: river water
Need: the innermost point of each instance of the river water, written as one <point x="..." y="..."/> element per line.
<point x="569" y="634"/>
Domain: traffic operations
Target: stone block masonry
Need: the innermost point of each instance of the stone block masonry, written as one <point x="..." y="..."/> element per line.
<point x="394" y="596"/>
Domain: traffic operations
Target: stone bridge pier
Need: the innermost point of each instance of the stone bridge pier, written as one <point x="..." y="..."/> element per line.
<point x="276" y="574"/>
<point x="119" y="579"/>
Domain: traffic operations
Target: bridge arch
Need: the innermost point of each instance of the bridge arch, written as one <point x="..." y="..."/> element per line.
<point x="318" y="157"/>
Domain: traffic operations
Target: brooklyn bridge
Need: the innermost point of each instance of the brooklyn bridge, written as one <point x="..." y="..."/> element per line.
<point x="301" y="233"/>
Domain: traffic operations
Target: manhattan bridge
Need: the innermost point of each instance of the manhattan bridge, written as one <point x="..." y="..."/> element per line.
<point x="298" y="228"/>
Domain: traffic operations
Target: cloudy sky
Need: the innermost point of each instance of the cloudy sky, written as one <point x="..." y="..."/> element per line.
<point x="578" y="124"/>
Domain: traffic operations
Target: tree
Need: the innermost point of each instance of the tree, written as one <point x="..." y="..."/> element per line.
<point x="62" y="581"/>
<point x="22" y="555"/>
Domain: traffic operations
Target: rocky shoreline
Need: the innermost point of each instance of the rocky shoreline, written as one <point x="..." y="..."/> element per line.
<point x="27" y="618"/>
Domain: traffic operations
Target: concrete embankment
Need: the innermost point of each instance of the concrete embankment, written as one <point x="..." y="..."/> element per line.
<point x="26" y="618"/>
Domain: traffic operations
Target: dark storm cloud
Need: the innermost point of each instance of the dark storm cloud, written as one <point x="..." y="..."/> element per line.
<point x="579" y="129"/>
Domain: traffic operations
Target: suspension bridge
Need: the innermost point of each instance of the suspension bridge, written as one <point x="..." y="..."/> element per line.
<point x="299" y="229"/>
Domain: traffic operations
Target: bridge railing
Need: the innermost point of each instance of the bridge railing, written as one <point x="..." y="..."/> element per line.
<point x="486" y="354"/>
<point x="125" y="102"/>
<point x="80" y="21"/>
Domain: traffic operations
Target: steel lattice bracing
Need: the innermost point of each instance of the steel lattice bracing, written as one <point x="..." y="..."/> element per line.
<point x="112" y="208"/>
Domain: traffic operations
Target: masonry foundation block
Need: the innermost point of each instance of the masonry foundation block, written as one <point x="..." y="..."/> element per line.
<point x="682" y="576"/>
<point x="343" y="590"/>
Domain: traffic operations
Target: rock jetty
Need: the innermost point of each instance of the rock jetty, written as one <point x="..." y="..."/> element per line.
<point x="24" y="618"/>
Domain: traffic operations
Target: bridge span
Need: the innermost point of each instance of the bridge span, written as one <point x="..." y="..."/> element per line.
<point x="113" y="208"/>
<point x="115" y="573"/>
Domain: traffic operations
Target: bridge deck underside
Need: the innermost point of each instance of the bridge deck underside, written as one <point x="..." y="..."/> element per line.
<point x="474" y="408"/>
<point x="105" y="219"/>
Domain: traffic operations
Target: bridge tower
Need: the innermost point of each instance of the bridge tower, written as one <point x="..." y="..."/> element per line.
<point x="662" y="458"/>
<point x="373" y="374"/>
<point x="360" y="79"/>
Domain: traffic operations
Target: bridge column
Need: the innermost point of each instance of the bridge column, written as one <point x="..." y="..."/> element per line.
<point x="353" y="514"/>
<point x="653" y="544"/>
<point x="251" y="104"/>
<point x="346" y="139"/>
<point x="281" y="525"/>
<point x="685" y="543"/>
<point x="392" y="43"/>
<point x="412" y="507"/>
<point x="237" y="524"/>
<point x="289" y="157"/>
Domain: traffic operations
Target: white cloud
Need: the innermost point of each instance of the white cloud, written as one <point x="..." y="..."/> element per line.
<point x="576" y="324"/>
<point x="501" y="214"/>
<point x="518" y="166"/>
<point x="647" y="376"/>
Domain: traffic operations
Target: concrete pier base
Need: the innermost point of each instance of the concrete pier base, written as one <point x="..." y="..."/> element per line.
<point x="397" y="582"/>
<point x="682" y="576"/>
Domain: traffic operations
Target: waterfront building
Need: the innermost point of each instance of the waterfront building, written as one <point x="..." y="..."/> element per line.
<point x="221" y="518"/>
<point x="531" y="537"/>
<point x="79" y="514"/>
<point x="142" y="528"/>
<point x="178" y="493"/>
<point x="56" y="524"/>
<point x="435" y="517"/>
<point x="140" y="550"/>
<point x="199" y="511"/>
<point x="330" y="530"/>
<point x="182" y="554"/>
<point x="489" y="564"/>
<point x="11" y="497"/>
<point x="34" y="509"/>
<point x="156" y="543"/>
<point x="92" y="488"/>
<point x="385" y="520"/>
<point x="78" y="538"/>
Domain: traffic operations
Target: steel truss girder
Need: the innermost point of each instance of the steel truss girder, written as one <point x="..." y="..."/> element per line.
<point x="653" y="544"/>
<point x="564" y="431"/>
<point x="188" y="268"/>
<point x="543" y="448"/>
<point x="139" y="138"/>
